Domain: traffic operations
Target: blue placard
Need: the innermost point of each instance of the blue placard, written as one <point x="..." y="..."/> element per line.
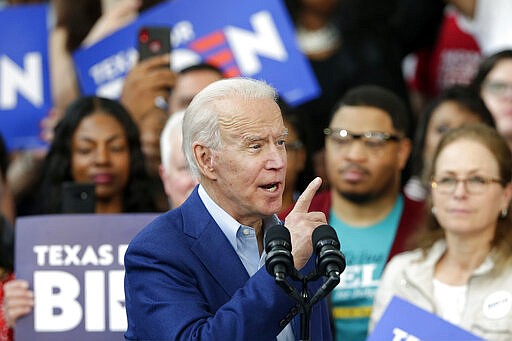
<point x="25" y="96"/>
<point x="253" y="39"/>
<point x="75" y="266"/>
<point x="403" y="321"/>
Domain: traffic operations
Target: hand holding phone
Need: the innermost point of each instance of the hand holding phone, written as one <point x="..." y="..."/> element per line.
<point x="148" y="83"/>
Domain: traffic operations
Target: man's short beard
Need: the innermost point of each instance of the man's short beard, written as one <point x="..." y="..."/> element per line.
<point x="357" y="198"/>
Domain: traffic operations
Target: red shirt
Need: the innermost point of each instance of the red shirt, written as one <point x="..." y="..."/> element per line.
<point x="5" y="331"/>
<point x="412" y="217"/>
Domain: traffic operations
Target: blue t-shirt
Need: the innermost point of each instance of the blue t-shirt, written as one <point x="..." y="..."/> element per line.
<point x="366" y="250"/>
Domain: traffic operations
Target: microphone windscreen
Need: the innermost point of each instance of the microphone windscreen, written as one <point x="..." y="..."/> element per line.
<point x="324" y="232"/>
<point x="277" y="232"/>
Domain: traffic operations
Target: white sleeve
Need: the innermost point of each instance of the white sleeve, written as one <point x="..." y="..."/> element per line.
<point x="389" y="281"/>
<point x="491" y="25"/>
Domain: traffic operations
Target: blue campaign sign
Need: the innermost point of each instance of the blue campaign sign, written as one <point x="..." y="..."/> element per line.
<point x="253" y="39"/>
<point x="403" y="321"/>
<point x="25" y="96"/>
<point x="75" y="266"/>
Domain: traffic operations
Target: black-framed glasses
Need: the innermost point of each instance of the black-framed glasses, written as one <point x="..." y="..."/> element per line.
<point x="371" y="139"/>
<point x="473" y="185"/>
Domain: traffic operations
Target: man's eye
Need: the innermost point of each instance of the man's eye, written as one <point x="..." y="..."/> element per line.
<point x="255" y="146"/>
<point x="342" y="140"/>
<point x="374" y="142"/>
<point x="281" y="142"/>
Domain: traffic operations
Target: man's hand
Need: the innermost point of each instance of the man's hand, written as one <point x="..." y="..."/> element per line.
<point x="301" y="224"/>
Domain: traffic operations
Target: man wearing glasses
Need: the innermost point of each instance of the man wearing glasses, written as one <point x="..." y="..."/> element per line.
<point x="366" y="151"/>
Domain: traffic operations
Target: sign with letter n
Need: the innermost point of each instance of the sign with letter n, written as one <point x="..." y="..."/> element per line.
<point x="25" y="96"/>
<point x="253" y="39"/>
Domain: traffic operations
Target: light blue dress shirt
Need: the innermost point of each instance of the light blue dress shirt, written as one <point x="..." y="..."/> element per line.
<point x="243" y="239"/>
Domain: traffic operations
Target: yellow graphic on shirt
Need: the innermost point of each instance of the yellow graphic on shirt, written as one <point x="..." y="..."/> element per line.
<point x="351" y="312"/>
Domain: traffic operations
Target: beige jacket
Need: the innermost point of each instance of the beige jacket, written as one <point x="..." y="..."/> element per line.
<point x="488" y="309"/>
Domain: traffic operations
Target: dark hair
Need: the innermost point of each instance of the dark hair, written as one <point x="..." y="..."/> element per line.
<point x="201" y="67"/>
<point x="136" y="195"/>
<point x="487" y="65"/>
<point x="6" y="245"/>
<point x="6" y="230"/>
<point x="4" y="159"/>
<point x="296" y="116"/>
<point x="489" y="138"/>
<point x="77" y="17"/>
<point x="463" y="96"/>
<point x="381" y="98"/>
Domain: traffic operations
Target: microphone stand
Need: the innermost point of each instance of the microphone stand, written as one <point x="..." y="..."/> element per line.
<point x="305" y="311"/>
<point x="303" y="300"/>
<point x="279" y="263"/>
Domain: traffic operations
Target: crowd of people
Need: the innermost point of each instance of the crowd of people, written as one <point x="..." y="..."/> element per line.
<point x="415" y="172"/>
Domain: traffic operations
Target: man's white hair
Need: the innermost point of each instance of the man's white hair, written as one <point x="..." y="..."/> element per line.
<point x="200" y="123"/>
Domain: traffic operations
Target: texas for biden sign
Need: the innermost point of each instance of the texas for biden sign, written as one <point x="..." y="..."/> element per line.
<point x="74" y="264"/>
<point x="243" y="38"/>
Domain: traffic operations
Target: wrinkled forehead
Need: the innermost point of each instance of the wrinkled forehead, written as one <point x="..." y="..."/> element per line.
<point x="243" y="116"/>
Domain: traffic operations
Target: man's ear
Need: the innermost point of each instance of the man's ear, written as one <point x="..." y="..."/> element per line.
<point x="404" y="151"/>
<point x="204" y="159"/>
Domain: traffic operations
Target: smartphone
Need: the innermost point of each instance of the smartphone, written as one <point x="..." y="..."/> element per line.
<point x="78" y="197"/>
<point x="153" y="41"/>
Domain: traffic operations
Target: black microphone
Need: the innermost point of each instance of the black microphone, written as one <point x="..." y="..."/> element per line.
<point x="279" y="260"/>
<point x="330" y="260"/>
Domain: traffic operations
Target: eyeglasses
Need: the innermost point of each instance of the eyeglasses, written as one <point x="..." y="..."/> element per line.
<point x="472" y="185"/>
<point x="371" y="139"/>
<point x="499" y="89"/>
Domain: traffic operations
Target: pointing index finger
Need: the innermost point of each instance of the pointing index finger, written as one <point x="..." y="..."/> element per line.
<point x="304" y="200"/>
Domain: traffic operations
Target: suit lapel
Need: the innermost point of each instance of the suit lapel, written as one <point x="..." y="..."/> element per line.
<point x="221" y="260"/>
<point x="212" y="247"/>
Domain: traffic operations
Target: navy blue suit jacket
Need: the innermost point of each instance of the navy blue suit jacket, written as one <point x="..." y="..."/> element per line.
<point x="184" y="281"/>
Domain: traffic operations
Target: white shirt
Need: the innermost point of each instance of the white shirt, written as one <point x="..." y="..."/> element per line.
<point x="450" y="301"/>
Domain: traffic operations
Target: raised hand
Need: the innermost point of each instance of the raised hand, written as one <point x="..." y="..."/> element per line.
<point x="112" y="20"/>
<point x="301" y="224"/>
<point x="150" y="79"/>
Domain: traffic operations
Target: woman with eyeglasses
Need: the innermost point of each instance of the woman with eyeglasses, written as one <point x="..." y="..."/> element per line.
<point x="493" y="81"/>
<point x="462" y="270"/>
